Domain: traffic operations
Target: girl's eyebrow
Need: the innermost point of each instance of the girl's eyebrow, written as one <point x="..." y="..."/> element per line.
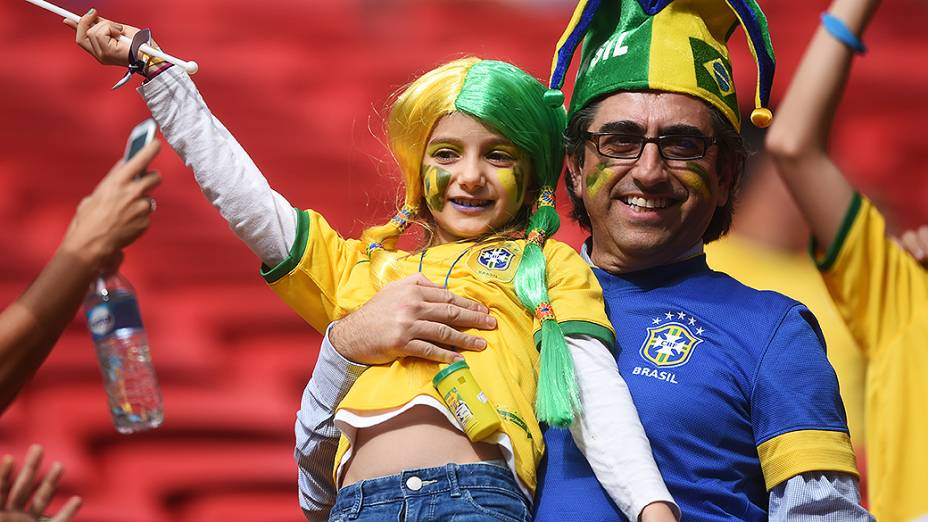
<point x="442" y="143"/>
<point x="441" y="140"/>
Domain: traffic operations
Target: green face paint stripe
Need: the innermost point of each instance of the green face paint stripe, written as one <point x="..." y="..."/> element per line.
<point x="519" y="174"/>
<point x="699" y="170"/>
<point x="696" y="168"/>
<point x="596" y="179"/>
<point x="435" y="182"/>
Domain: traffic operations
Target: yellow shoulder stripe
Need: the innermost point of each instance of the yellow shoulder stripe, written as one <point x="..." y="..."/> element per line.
<point x="796" y="452"/>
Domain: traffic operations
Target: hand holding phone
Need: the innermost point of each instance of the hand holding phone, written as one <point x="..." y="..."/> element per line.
<point x="141" y="135"/>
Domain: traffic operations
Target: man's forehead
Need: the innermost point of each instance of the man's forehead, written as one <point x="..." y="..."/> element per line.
<point x="653" y="110"/>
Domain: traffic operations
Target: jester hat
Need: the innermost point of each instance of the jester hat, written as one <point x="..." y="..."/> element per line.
<point x="664" y="45"/>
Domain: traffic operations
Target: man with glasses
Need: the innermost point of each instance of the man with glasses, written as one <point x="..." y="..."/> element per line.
<point x="732" y="384"/>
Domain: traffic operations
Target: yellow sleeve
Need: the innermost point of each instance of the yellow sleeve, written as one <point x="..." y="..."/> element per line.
<point x="878" y="288"/>
<point x="575" y="295"/>
<point x="320" y="261"/>
<point x="803" y="451"/>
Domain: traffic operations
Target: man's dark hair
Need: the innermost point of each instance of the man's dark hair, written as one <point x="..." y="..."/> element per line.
<point x="730" y="160"/>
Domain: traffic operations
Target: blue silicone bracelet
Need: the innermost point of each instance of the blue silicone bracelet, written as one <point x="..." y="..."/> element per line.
<point x="836" y="28"/>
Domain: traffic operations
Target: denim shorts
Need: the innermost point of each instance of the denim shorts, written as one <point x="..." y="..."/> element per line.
<point x="453" y="492"/>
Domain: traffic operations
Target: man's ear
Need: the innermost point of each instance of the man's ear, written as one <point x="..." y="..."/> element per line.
<point x="575" y="175"/>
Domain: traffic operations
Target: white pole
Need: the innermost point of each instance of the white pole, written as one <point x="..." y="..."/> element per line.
<point x="191" y="67"/>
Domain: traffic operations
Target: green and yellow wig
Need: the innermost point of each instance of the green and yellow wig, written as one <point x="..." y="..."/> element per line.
<point x="512" y="103"/>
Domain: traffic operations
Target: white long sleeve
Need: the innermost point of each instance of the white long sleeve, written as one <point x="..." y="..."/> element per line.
<point x="316" y="434"/>
<point x="261" y="217"/>
<point x="609" y="432"/>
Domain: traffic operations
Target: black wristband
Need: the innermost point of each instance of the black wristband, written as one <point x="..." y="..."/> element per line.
<point x="136" y="66"/>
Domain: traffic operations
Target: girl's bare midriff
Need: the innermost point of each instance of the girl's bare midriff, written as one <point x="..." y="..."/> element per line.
<point x="421" y="437"/>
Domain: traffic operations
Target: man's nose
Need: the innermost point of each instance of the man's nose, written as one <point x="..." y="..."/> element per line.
<point x="649" y="169"/>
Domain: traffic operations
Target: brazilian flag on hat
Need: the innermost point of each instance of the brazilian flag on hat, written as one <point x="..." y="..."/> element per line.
<point x="665" y="45"/>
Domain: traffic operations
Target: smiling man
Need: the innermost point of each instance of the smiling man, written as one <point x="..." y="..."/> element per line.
<point x="674" y="191"/>
<point x="732" y="384"/>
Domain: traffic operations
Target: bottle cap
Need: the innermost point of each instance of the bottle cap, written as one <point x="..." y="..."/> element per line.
<point x="448" y="370"/>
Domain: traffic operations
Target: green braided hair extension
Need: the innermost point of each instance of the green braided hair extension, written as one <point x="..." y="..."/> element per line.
<point x="558" y="399"/>
<point x="515" y="104"/>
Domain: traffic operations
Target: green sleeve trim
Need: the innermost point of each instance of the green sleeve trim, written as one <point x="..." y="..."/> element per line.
<point x="583" y="328"/>
<point x="286" y="266"/>
<point x="825" y="263"/>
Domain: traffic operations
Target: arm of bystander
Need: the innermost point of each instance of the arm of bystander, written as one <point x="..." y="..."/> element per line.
<point x="113" y="216"/>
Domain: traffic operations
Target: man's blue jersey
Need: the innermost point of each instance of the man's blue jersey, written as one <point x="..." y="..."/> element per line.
<point x="732" y="387"/>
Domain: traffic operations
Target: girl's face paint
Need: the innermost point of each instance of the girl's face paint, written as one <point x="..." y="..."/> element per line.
<point x="474" y="179"/>
<point x="598" y="178"/>
<point x="696" y="177"/>
<point x="435" y="182"/>
<point x="513" y="181"/>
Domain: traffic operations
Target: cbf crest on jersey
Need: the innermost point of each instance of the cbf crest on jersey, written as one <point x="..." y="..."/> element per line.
<point x="498" y="261"/>
<point x="670" y="344"/>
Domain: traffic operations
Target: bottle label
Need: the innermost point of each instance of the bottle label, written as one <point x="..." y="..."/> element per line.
<point x="106" y="318"/>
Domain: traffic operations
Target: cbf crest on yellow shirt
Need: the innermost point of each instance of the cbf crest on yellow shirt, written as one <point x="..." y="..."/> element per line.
<point x="498" y="261"/>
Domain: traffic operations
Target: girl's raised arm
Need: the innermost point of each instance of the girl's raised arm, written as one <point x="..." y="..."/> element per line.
<point x="261" y="217"/>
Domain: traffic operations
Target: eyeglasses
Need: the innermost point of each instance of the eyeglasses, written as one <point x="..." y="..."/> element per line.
<point x="630" y="146"/>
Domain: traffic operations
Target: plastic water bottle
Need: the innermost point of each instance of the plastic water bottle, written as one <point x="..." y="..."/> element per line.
<point x="122" y="349"/>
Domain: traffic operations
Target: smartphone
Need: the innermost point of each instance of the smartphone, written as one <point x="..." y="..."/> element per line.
<point x="140" y="136"/>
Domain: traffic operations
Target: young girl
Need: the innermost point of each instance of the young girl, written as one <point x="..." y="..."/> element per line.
<point x="480" y="153"/>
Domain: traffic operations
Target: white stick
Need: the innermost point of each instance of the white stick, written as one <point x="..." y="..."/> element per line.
<point x="191" y="67"/>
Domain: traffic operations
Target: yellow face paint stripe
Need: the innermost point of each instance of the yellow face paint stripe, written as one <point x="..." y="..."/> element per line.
<point x="509" y="180"/>
<point x="435" y="147"/>
<point x="696" y="176"/>
<point x="434" y="183"/>
<point x="513" y="183"/>
<point x="597" y="179"/>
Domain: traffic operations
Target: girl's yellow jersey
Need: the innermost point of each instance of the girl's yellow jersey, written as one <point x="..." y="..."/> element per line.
<point x="326" y="277"/>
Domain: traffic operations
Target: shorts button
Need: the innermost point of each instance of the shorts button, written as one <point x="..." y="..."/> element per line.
<point x="414" y="483"/>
